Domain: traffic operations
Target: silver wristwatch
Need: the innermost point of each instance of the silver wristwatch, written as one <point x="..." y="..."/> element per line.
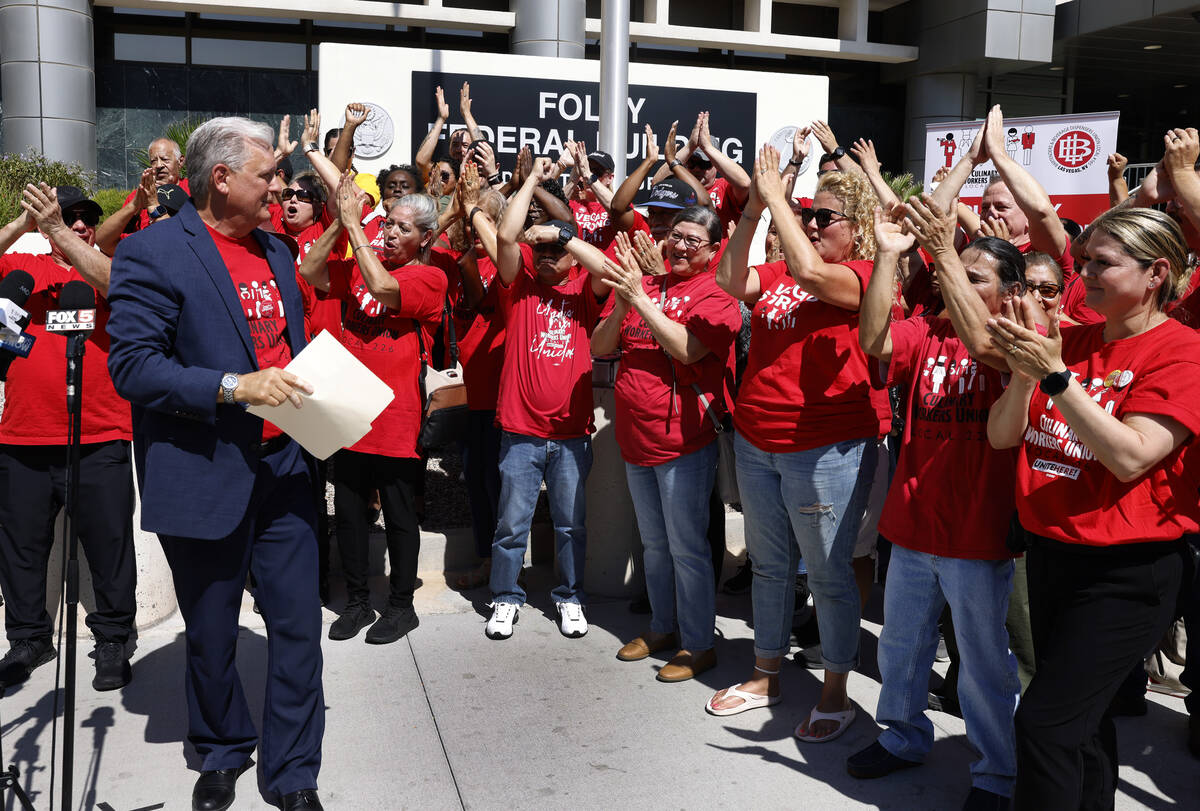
<point x="229" y="383"/>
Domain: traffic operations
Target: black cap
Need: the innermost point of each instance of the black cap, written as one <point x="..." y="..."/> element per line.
<point x="70" y="197"/>
<point x="698" y="154"/>
<point x="601" y="162"/>
<point x="672" y="193"/>
<point x="172" y="198"/>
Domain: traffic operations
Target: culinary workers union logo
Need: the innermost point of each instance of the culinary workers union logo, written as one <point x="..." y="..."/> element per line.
<point x="1074" y="149"/>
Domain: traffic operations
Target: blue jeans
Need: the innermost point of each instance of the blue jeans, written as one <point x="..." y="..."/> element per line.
<point x="820" y="495"/>
<point x="671" y="503"/>
<point x="525" y="461"/>
<point x="919" y="585"/>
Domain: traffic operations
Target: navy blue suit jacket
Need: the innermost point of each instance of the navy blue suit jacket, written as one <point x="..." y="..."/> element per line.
<point x="177" y="325"/>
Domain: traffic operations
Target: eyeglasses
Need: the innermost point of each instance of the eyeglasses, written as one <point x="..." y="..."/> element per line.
<point x="299" y="194"/>
<point x="1047" y="289"/>
<point x="691" y="243"/>
<point x="823" y="216"/>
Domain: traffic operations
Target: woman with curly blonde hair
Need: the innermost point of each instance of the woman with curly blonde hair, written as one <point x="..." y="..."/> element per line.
<point x="808" y="428"/>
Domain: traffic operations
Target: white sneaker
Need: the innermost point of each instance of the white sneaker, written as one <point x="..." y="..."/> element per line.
<point x="571" y="621"/>
<point x="501" y="622"/>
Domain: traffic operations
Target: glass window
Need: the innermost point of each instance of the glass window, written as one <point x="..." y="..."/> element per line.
<point x="149" y="48"/>
<point x="248" y="53"/>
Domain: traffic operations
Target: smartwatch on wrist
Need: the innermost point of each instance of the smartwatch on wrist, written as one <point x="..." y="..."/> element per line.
<point x="564" y="236"/>
<point x="794" y="162"/>
<point x="1055" y="383"/>
<point x="310" y="147"/>
<point x="838" y="153"/>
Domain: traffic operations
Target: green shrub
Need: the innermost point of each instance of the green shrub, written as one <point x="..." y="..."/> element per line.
<point x="904" y="185"/>
<point x="16" y="171"/>
<point x="110" y="200"/>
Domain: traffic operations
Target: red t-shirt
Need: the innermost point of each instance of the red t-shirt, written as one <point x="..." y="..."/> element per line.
<point x="35" y="404"/>
<point x="594" y="223"/>
<point x="385" y="340"/>
<point x="481" y="348"/>
<point x="723" y="203"/>
<point x="933" y="505"/>
<point x="319" y="313"/>
<point x="806" y="383"/>
<point x="546" y="382"/>
<point x="1064" y="492"/>
<point x="256" y="288"/>
<point x="142" y="218"/>
<point x="659" y="416"/>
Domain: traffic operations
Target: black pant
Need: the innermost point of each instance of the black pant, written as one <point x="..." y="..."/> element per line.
<point x="1095" y="612"/>
<point x="32" y="491"/>
<point x="481" y="466"/>
<point x="355" y="475"/>
<point x="1190" y="608"/>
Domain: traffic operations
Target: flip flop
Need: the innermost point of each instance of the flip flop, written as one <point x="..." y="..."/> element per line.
<point x="844" y="718"/>
<point x="750" y="701"/>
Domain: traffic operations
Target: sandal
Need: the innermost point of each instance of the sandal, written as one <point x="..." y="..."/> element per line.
<point x="844" y="718"/>
<point x="750" y="701"/>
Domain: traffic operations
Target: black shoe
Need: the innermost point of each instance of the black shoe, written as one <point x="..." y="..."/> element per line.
<point x="875" y="761"/>
<point x="303" y="800"/>
<point x="112" y="666"/>
<point x="356" y="617"/>
<point x="24" y="655"/>
<point x="982" y="800"/>
<point x="391" y="625"/>
<point x="944" y="703"/>
<point x="740" y="582"/>
<point x="640" y="605"/>
<point x="214" y="789"/>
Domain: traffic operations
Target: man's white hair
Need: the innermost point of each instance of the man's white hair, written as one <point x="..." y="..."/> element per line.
<point x="175" y="150"/>
<point x="222" y="140"/>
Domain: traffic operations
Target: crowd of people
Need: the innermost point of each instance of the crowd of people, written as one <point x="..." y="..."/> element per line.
<point x="998" y="398"/>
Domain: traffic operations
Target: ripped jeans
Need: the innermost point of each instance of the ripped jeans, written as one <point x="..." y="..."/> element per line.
<point x="819" y="495"/>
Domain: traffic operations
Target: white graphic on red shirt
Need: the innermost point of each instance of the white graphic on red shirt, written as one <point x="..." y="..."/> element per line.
<point x="781" y="302"/>
<point x="261" y="300"/>
<point x="367" y="303"/>
<point x="556" y="341"/>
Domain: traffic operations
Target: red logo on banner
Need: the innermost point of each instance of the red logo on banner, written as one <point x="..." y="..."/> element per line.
<point x="1073" y="149"/>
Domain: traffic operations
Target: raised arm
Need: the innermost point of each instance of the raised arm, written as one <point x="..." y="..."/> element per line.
<point x="734" y="274"/>
<point x="464" y="107"/>
<point x="325" y="168"/>
<point x="875" y="314"/>
<point x="949" y="187"/>
<point x="620" y="208"/>
<point x="424" y="157"/>
<point x="739" y="181"/>
<point x="512" y="224"/>
<point x="41" y="203"/>
<point x="108" y="233"/>
<point x="1046" y="232"/>
<point x="1179" y="162"/>
<point x="800" y="150"/>
<point x="356" y="114"/>
<point x="314" y="268"/>
<point x="588" y="256"/>
<point x="829" y="143"/>
<point x="864" y="151"/>
<point x="682" y="153"/>
<point x="21" y="224"/>
<point x="934" y="229"/>
<point x="1118" y="189"/>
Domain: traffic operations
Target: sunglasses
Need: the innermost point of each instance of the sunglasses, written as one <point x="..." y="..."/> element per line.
<point x="1047" y="289"/>
<point x="446" y="177"/>
<point x="299" y="194"/>
<point x="89" y="219"/>
<point x="823" y="216"/>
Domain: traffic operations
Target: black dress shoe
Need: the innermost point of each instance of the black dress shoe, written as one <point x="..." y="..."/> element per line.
<point x="303" y="800"/>
<point x="394" y="623"/>
<point x="23" y="656"/>
<point x="214" y="789"/>
<point x="112" y="666"/>
<point x="875" y="761"/>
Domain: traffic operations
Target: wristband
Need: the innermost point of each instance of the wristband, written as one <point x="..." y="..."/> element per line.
<point x="794" y="162"/>
<point x="494" y="179"/>
<point x="674" y="163"/>
<point x="356" y="250"/>
<point x="1055" y="383"/>
<point x="471" y="216"/>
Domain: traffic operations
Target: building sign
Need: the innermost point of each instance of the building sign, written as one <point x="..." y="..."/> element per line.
<point x="542" y="102"/>
<point x="1068" y="154"/>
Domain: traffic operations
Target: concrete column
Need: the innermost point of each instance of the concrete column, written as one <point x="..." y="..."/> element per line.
<point x="48" y="76"/>
<point x="548" y="28"/>
<point x="934" y="97"/>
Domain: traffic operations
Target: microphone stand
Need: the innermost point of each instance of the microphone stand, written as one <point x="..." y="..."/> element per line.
<point x="76" y="343"/>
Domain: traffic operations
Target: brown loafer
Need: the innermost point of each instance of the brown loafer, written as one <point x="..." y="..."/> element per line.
<point x="645" y="645"/>
<point x="686" y="665"/>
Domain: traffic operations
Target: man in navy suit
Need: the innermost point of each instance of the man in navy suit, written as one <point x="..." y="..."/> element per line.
<point x="206" y="312"/>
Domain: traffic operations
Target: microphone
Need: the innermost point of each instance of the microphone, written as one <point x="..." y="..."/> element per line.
<point x="15" y="289"/>
<point x="76" y="309"/>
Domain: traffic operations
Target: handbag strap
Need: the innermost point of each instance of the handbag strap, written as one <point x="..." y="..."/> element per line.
<point x="704" y="401"/>
<point x="449" y="332"/>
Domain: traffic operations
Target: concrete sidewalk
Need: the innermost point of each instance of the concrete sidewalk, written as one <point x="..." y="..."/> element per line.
<point x="447" y="719"/>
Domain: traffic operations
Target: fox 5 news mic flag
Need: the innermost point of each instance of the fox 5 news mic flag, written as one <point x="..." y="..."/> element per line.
<point x="1067" y="154"/>
<point x="70" y="320"/>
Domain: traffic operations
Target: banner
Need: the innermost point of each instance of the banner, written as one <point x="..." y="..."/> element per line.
<point x="1067" y="154"/>
<point x="542" y="102"/>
